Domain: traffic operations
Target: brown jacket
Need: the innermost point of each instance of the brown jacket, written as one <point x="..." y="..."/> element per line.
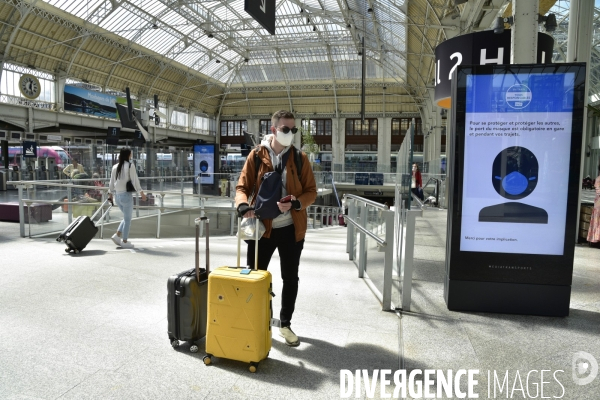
<point x="305" y="190"/>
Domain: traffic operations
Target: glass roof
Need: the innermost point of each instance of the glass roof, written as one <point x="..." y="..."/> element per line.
<point x="561" y="9"/>
<point x="315" y="39"/>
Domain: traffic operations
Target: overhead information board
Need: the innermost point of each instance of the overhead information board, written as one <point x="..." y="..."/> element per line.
<point x="263" y="11"/>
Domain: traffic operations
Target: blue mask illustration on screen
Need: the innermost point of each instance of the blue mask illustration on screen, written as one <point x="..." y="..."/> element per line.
<point x="203" y="166"/>
<point x="514" y="176"/>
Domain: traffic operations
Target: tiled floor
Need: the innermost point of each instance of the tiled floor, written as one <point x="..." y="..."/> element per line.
<point x="93" y="326"/>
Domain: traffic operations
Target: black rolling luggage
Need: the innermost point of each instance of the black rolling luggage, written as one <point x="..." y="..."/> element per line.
<point x="81" y="231"/>
<point x="187" y="299"/>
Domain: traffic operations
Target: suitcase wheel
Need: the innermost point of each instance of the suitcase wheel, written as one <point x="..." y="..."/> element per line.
<point x="175" y="344"/>
<point x="67" y="250"/>
<point x="193" y="348"/>
<point x="206" y="360"/>
<point x="253" y="367"/>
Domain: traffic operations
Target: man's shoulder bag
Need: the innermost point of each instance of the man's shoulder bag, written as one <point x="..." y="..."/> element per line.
<point x="269" y="192"/>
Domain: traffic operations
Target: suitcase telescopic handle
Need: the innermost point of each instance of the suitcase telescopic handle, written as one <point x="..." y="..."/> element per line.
<point x="198" y="221"/>
<point x="239" y="244"/>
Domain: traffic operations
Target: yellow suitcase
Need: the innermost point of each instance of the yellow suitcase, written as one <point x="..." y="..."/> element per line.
<point x="239" y="314"/>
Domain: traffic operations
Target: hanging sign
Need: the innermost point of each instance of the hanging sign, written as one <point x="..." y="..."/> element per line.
<point x="263" y="11"/>
<point x="479" y="48"/>
<point x="30" y="149"/>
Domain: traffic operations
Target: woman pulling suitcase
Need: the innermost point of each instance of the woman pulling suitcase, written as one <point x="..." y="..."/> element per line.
<point x="123" y="182"/>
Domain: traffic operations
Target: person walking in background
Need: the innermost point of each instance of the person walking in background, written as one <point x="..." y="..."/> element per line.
<point x="120" y="174"/>
<point x="286" y="231"/>
<point x="594" y="230"/>
<point x="416" y="183"/>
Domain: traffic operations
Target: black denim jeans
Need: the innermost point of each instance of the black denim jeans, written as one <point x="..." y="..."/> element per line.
<point x="284" y="240"/>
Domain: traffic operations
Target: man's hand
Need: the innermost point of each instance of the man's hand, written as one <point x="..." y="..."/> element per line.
<point x="144" y="197"/>
<point x="245" y="211"/>
<point x="283" y="207"/>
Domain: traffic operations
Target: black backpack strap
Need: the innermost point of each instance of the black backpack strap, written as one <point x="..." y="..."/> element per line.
<point x="257" y="161"/>
<point x="298" y="161"/>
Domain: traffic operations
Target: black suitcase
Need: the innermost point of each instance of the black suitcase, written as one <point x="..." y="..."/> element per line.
<point x="81" y="231"/>
<point x="187" y="299"/>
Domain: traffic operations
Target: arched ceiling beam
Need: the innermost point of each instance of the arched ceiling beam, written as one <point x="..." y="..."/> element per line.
<point x="103" y="10"/>
<point x="24" y="9"/>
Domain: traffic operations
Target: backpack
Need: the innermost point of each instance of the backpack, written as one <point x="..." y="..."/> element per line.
<point x="270" y="189"/>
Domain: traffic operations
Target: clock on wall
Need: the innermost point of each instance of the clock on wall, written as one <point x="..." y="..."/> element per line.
<point x="29" y="86"/>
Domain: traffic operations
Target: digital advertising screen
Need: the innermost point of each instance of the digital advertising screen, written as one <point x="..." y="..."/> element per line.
<point x="517" y="152"/>
<point x="204" y="163"/>
<point x="516" y="162"/>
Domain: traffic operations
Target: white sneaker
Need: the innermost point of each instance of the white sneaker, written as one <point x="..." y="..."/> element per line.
<point x="116" y="239"/>
<point x="127" y="245"/>
<point x="290" y="337"/>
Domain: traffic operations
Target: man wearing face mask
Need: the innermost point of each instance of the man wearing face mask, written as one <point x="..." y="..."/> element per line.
<point x="285" y="232"/>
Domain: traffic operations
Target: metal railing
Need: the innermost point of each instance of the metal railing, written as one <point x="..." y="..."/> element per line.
<point x="176" y="196"/>
<point x="359" y="210"/>
<point x="74" y="195"/>
<point x="405" y="229"/>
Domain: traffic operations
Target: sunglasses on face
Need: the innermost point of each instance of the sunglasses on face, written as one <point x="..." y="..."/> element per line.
<point x="285" y="129"/>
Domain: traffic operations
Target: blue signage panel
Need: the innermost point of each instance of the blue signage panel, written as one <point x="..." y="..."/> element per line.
<point x="361" y="178"/>
<point x="29" y="149"/>
<point x="375" y="179"/>
<point x="204" y="163"/>
<point x="112" y="135"/>
<point x="138" y="138"/>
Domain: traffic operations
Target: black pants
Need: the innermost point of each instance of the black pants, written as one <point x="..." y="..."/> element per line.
<point x="284" y="240"/>
<point x="418" y="193"/>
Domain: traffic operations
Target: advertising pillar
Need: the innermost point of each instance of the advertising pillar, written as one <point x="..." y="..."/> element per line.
<point x="514" y="180"/>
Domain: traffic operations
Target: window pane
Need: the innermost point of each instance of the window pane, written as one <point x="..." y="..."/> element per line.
<point x="373" y="127"/>
<point x="404" y="126"/>
<point x="320" y="127"/>
<point x="349" y="125"/>
<point x="223" y="128"/>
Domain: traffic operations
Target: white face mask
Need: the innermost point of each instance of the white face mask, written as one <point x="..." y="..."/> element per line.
<point x="284" y="139"/>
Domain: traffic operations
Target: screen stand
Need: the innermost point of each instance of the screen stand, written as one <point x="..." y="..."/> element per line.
<point x="507" y="298"/>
